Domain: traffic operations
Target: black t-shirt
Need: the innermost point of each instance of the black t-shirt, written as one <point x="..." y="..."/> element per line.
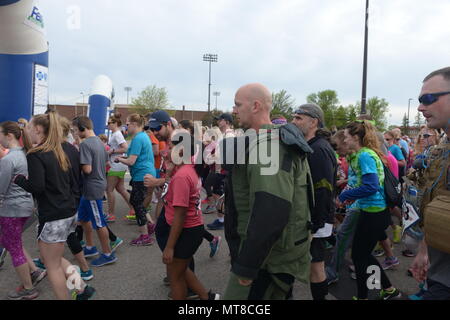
<point x="323" y="165"/>
<point x="50" y="186"/>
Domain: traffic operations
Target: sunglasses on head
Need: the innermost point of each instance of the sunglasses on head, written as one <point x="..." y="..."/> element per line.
<point x="430" y="98"/>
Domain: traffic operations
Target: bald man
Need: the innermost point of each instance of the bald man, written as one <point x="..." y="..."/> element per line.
<point x="267" y="215"/>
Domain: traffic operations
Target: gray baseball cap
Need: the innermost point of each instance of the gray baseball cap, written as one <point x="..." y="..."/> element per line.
<point x="312" y="110"/>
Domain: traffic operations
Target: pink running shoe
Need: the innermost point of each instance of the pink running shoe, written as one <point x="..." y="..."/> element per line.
<point x="142" y="240"/>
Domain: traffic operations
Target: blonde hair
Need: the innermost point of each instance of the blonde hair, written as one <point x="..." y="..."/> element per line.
<point x="53" y="133"/>
<point x="418" y="146"/>
<point x="137" y="118"/>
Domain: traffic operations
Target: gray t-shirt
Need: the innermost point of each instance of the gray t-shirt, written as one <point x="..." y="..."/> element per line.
<point x="14" y="201"/>
<point x="93" y="153"/>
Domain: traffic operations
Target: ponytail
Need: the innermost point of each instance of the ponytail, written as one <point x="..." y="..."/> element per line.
<point x="367" y="134"/>
<point x="53" y="133"/>
<point x="14" y="128"/>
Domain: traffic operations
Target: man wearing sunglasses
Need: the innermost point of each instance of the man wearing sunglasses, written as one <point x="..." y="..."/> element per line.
<point x="432" y="262"/>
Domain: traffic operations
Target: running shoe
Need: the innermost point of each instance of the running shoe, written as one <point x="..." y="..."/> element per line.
<point x="419" y="295"/>
<point x="115" y="244"/>
<point x="191" y="295"/>
<point x="408" y="253"/>
<point x="331" y="280"/>
<point x="87" y="275"/>
<point x="87" y="294"/>
<point x="37" y="276"/>
<point x="378" y="251"/>
<point x="104" y="260"/>
<point x="131" y="216"/>
<point x="90" y="252"/>
<point x="389" y="263"/>
<point x="215" y="244"/>
<point x="23" y="294"/>
<point x="2" y="256"/>
<point x="210" y="209"/>
<point x="213" y="296"/>
<point x="83" y="243"/>
<point x="142" y="240"/>
<point x="389" y="295"/>
<point x="216" y="225"/>
<point x="110" y="218"/>
<point x="38" y="263"/>
<point x="397" y="234"/>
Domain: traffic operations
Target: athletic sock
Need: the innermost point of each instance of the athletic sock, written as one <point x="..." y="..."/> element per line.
<point x="221" y="220"/>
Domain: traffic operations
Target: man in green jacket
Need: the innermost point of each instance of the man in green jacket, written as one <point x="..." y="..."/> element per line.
<point x="267" y="218"/>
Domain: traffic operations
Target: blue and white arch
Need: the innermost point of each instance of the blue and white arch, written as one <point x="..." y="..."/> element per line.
<point x="102" y="93"/>
<point x="23" y="60"/>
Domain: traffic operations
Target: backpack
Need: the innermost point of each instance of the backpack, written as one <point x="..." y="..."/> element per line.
<point x="392" y="189"/>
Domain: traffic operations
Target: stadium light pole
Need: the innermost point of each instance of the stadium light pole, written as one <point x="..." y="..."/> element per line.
<point x="409" y="103"/>
<point x="364" y="82"/>
<point x="208" y="57"/>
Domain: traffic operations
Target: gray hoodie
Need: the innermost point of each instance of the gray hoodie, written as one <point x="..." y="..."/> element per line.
<point x="14" y="201"/>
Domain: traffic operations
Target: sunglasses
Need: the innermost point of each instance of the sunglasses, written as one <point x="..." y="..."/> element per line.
<point x="158" y="128"/>
<point x="430" y="98"/>
<point x="427" y="135"/>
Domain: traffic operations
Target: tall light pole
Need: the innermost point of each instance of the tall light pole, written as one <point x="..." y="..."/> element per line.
<point x="128" y="89"/>
<point x="364" y="82"/>
<point x="409" y="102"/>
<point x="208" y="57"/>
<point x="216" y="94"/>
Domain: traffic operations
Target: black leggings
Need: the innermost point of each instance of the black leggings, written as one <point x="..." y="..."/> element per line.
<point x="370" y="229"/>
<point x="138" y="194"/>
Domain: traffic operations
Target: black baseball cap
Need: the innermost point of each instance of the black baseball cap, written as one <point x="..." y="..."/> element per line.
<point x="225" y="116"/>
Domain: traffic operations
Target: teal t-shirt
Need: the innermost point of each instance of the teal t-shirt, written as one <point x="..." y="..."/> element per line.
<point x="364" y="162"/>
<point x="142" y="148"/>
<point x="396" y="152"/>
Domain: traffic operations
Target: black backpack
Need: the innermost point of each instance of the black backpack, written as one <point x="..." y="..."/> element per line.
<point x="392" y="189"/>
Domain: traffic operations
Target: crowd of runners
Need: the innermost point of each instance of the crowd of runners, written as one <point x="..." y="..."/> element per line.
<point x="329" y="193"/>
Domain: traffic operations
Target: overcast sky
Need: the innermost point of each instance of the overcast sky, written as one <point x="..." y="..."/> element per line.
<point x="302" y="46"/>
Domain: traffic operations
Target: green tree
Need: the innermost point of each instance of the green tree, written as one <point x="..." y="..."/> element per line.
<point x="377" y="109"/>
<point x="283" y="104"/>
<point x="341" y="117"/>
<point x="328" y="101"/>
<point x="150" y="99"/>
<point x="405" y="124"/>
<point x="352" y="112"/>
<point x="418" y="120"/>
